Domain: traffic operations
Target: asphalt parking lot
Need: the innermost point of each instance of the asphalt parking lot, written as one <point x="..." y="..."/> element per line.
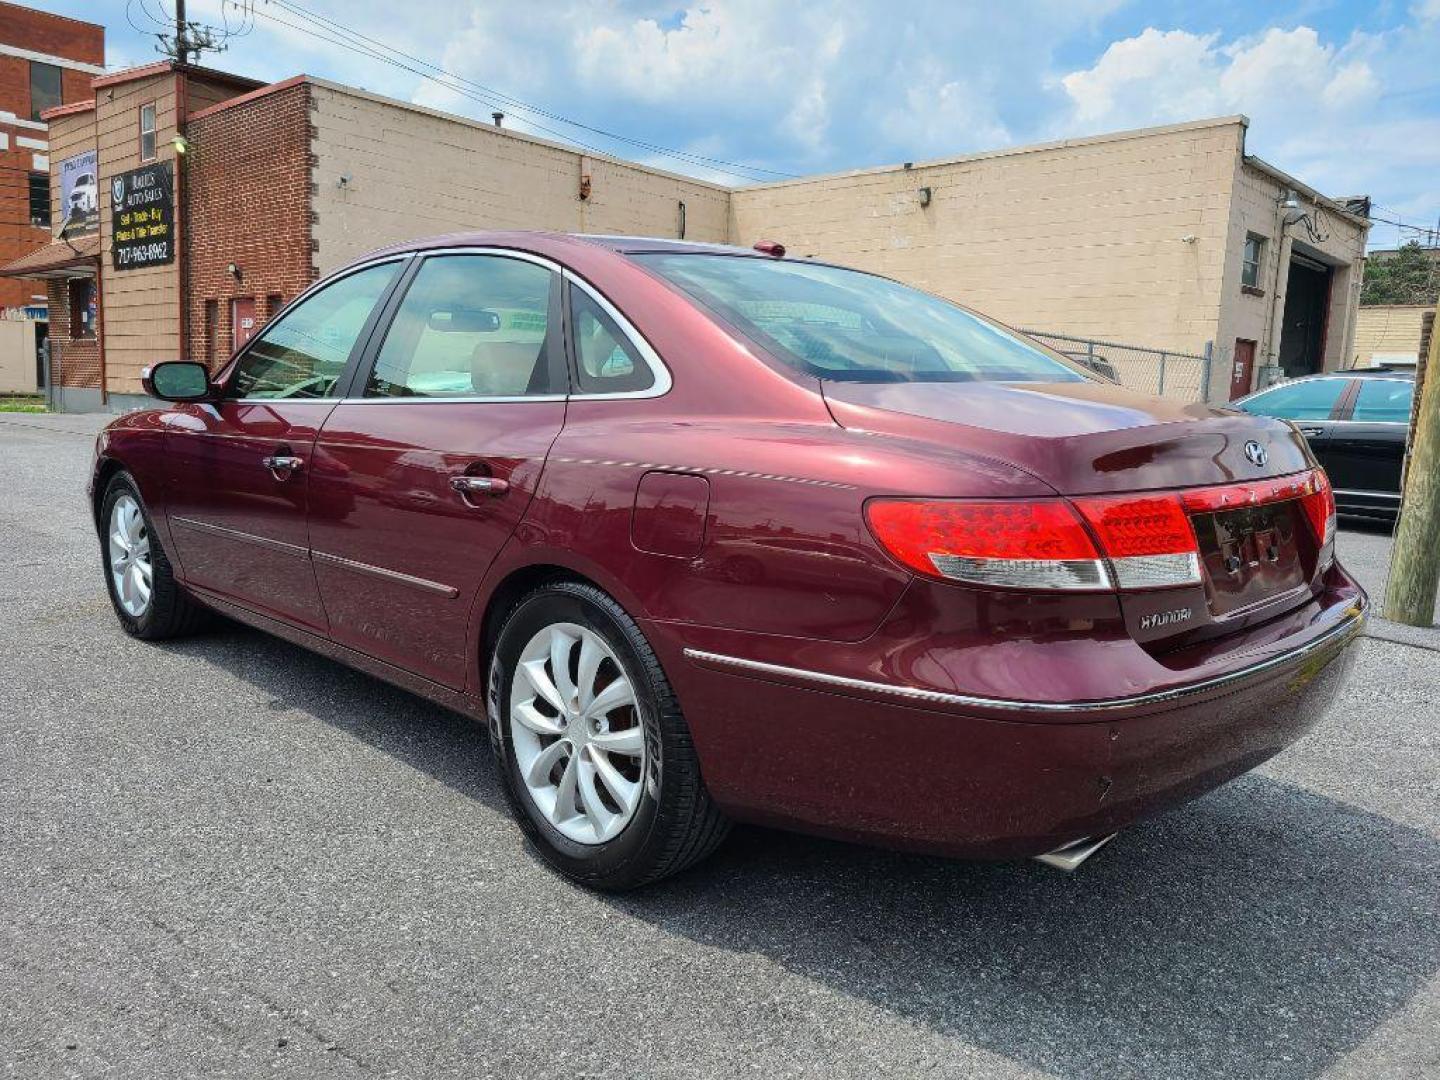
<point x="227" y="857"/>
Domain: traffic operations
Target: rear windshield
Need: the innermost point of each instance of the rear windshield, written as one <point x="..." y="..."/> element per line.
<point x="845" y="325"/>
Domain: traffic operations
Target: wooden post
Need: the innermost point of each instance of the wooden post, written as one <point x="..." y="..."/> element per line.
<point x="1415" y="562"/>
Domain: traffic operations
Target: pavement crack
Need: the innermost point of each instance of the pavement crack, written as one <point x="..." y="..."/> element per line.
<point x="1402" y="641"/>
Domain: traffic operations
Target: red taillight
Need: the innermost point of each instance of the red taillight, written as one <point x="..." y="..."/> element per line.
<point x="1149" y="539"/>
<point x="1039" y="544"/>
<point x="1319" y="504"/>
<point x="1146" y="541"/>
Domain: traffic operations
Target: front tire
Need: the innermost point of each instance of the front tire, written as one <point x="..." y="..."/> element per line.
<point x="597" y="757"/>
<point x="148" y="601"/>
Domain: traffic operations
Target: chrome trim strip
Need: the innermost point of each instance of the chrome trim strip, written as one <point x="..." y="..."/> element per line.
<point x="514" y="399"/>
<point x="248" y="538"/>
<point x="1349" y="626"/>
<point x="663" y="380"/>
<point x="447" y="591"/>
<point x="1369" y="494"/>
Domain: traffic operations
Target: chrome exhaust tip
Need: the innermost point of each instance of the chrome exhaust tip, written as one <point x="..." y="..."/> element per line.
<point x="1068" y="857"/>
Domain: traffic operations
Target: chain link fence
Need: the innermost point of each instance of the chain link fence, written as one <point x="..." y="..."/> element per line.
<point x="1162" y="372"/>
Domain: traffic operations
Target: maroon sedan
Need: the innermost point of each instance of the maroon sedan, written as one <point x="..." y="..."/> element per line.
<point x="711" y="535"/>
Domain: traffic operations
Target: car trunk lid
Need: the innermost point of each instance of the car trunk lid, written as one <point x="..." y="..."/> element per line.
<point x="1232" y="488"/>
<point x="1079" y="437"/>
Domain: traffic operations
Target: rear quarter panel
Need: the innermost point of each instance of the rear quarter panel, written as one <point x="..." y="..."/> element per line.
<point x="785" y="548"/>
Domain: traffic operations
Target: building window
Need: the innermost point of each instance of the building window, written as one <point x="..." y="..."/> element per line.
<point x="1250" y="264"/>
<point x="82" y="307"/>
<point x="147" y="132"/>
<point x="44" y="88"/>
<point x="40" y="200"/>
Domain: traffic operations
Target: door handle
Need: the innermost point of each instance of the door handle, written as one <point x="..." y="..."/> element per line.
<point x="1312" y="432"/>
<point x="282" y="465"/>
<point x="478" y="485"/>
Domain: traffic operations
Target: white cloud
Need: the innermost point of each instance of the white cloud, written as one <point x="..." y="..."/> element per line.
<point x="1349" y="117"/>
<point x="1161" y="76"/>
<point x="1157" y="73"/>
<point x="849" y="83"/>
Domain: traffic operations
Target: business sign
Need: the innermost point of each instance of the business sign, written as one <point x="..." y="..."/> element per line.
<point x="80" y="194"/>
<point x="142" y="217"/>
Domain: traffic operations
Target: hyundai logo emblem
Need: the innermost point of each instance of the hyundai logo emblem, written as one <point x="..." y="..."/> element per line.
<point x="1256" y="454"/>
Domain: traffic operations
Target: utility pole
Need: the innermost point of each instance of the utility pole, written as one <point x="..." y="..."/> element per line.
<point x="189" y="39"/>
<point x="182" y="48"/>
<point x="1415" y="562"/>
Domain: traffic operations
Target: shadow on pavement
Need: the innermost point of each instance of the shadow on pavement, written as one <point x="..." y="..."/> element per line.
<point x="1264" y="930"/>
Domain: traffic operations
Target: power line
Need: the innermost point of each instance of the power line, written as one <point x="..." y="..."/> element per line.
<point x="325" y="29"/>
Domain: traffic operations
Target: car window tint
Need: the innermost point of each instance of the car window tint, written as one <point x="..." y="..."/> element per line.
<point x="1310" y="399"/>
<point x="846" y="325"/>
<point x="608" y="360"/>
<point x="469" y="326"/>
<point x="1384" y="400"/>
<point x="304" y="353"/>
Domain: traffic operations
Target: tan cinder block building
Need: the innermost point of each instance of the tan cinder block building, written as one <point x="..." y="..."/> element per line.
<point x="1389" y="333"/>
<point x="1171" y="238"/>
<point x="1136" y="237"/>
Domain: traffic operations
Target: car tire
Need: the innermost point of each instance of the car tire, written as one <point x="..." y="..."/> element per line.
<point x="670" y="822"/>
<point x="133" y="559"/>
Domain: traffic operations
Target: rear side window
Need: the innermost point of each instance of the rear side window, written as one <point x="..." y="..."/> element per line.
<point x="845" y="325"/>
<point x="1313" y="399"/>
<point x="606" y="358"/>
<point x="304" y="353"/>
<point x="469" y="326"/>
<point x="1384" y="400"/>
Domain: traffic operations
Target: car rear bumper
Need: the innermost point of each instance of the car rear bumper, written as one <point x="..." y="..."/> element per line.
<point x="915" y="768"/>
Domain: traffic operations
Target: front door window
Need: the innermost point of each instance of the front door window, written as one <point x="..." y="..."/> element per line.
<point x="304" y="353"/>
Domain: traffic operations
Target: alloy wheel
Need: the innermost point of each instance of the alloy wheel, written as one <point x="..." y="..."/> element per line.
<point x="130" y="566"/>
<point x="578" y="735"/>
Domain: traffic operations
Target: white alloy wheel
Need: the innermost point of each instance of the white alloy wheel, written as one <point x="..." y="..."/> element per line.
<point x="130" y="567"/>
<point x="579" y="740"/>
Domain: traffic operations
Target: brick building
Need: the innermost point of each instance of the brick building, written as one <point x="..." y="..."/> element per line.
<point x="1173" y="237"/>
<point x="45" y="60"/>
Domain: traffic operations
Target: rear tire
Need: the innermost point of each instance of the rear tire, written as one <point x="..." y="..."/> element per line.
<point x="150" y="604"/>
<point x="613" y="799"/>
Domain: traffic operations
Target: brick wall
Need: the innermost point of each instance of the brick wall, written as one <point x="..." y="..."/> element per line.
<point x="247" y="190"/>
<point x="48" y="35"/>
<point x="412" y="172"/>
<point x="1389" y="328"/>
<point x="75" y="361"/>
<point x="55" y="35"/>
<point x="1256" y="316"/>
<point x="1083" y="237"/>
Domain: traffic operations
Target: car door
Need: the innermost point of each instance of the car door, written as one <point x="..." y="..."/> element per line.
<point x="1313" y="404"/>
<point x="239" y="468"/>
<point x="1368" y="444"/>
<point x="425" y="469"/>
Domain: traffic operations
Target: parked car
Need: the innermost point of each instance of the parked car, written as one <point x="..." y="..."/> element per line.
<point x="84" y="197"/>
<point x="1356" y="423"/>
<point x="707" y="535"/>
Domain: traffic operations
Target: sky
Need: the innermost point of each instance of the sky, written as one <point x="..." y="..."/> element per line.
<point x="1344" y="96"/>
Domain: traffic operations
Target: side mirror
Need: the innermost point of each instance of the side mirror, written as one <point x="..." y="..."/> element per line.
<point x="177" y="380"/>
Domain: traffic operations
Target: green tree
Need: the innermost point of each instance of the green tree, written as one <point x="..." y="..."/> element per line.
<point x="1410" y="276"/>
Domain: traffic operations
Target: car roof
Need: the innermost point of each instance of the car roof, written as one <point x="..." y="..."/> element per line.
<point x="1352" y="373"/>
<point x="547" y="241"/>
